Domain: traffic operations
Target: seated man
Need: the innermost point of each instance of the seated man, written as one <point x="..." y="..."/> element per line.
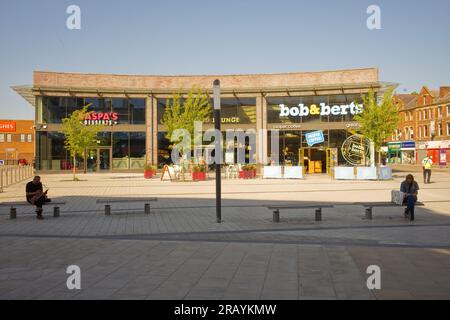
<point x="36" y="196"/>
<point x="410" y="188"/>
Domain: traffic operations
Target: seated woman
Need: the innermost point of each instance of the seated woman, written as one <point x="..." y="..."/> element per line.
<point x="410" y="188"/>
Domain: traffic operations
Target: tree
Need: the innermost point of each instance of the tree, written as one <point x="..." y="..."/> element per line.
<point x="378" y="121"/>
<point x="182" y="113"/>
<point x="78" y="136"/>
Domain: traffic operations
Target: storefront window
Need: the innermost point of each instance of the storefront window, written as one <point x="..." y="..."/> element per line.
<point x="121" y="107"/>
<point x="233" y="110"/>
<point x="51" y="152"/>
<point x="54" y="109"/>
<point x="137" y="144"/>
<point x="137" y="111"/>
<point x="237" y="110"/>
<point x="163" y="149"/>
<point x="128" y="150"/>
<point x="130" y="111"/>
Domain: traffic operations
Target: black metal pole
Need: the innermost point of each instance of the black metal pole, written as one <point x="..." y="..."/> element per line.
<point x="218" y="161"/>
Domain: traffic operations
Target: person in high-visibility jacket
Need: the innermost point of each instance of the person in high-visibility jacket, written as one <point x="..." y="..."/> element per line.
<point x="427" y="163"/>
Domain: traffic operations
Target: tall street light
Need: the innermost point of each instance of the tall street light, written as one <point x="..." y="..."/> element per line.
<point x="218" y="170"/>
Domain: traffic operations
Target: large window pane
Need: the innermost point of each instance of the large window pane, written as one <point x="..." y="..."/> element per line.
<point x="137" y="111"/>
<point x="137" y="144"/>
<point x="121" y="107"/>
<point x="54" y="109"/>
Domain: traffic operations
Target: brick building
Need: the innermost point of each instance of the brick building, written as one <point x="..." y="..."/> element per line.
<point x="424" y="128"/>
<point x="17" y="141"/>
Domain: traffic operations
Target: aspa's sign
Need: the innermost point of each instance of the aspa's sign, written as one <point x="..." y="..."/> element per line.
<point x="101" y="118"/>
<point x="320" y="110"/>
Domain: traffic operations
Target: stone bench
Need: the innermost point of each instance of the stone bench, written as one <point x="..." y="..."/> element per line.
<point x="369" y="207"/>
<point x="13" y="205"/>
<point x="318" y="211"/>
<point x="107" y="202"/>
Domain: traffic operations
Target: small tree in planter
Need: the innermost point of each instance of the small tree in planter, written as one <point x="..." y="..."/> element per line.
<point x="149" y="171"/>
<point x="199" y="172"/>
<point x="248" y="172"/>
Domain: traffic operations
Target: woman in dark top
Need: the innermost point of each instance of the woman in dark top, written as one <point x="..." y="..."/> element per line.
<point x="411" y="189"/>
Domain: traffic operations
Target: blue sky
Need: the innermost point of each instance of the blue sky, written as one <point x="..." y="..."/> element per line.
<point x="221" y="37"/>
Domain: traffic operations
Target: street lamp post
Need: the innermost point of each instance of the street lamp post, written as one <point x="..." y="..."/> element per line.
<point x="218" y="169"/>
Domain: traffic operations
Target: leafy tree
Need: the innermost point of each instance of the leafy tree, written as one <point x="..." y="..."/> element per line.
<point x="378" y="120"/>
<point x="78" y="136"/>
<point x="181" y="113"/>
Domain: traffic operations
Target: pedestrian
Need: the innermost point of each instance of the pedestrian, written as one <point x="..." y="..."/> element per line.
<point x="427" y="163"/>
<point x="410" y="189"/>
<point x="36" y="195"/>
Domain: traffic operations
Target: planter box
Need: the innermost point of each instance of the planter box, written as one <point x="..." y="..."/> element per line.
<point x="293" y="172"/>
<point x="344" y="173"/>
<point x="148" y="174"/>
<point x="272" y="172"/>
<point x="247" y="174"/>
<point x="366" y="173"/>
<point x="198" y="176"/>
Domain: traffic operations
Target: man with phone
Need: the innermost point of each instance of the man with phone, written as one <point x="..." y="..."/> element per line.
<point x="36" y="195"/>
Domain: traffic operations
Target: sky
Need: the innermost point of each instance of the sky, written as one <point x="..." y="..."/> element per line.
<point x="176" y="37"/>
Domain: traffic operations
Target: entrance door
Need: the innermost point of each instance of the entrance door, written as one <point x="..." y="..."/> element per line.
<point x="91" y="160"/>
<point x="98" y="160"/>
<point x="104" y="157"/>
<point x="314" y="160"/>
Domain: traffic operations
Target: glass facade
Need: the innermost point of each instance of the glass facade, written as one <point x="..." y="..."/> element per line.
<point x="127" y="149"/>
<point x="115" y="149"/>
<point x="124" y="148"/>
<point x="130" y="111"/>
<point x="233" y="110"/>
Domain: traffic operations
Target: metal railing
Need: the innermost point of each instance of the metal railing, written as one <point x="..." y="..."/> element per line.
<point x="10" y="175"/>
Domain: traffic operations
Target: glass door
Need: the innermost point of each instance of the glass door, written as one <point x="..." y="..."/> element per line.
<point x="98" y="160"/>
<point x="91" y="160"/>
<point x="104" y="156"/>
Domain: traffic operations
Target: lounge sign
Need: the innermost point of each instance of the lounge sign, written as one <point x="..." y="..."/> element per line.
<point x="320" y="110"/>
<point x="101" y="118"/>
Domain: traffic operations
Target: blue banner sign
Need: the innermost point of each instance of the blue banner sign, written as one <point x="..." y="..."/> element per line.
<point x="315" y="137"/>
<point x="409" y="145"/>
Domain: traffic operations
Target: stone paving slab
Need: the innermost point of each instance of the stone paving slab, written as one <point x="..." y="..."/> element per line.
<point x="217" y="271"/>
<point x="180" y="252"/>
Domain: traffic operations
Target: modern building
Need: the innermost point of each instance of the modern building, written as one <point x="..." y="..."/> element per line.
<point x="424" y="129"/>
<point x="16" y="141"/>
<point x="293" y="103"/>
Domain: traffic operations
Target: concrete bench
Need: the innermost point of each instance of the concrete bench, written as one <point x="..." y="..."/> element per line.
<point x="13" y="205"/>
<point x="318" y="211"/>
<point x="369" y="207"/>
<point x="108" y="201"/>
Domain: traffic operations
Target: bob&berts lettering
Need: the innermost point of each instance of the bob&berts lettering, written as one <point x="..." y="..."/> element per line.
<point x="322" y="110"/>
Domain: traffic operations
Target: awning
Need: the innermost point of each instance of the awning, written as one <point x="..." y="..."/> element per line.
<point x="26" y="92"/>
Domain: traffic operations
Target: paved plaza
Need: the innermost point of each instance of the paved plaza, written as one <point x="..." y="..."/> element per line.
<point x="178" y="251"/>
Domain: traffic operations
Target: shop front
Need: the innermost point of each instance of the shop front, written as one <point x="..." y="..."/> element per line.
<point x="312" y="112"/>
<point x="408" y="152"/>
<point x="439" y="150"/>
<point x="395" y="152"/>
<point x="120" y="142"/>
<point x="312" y="130"/>
<point x="402" y="152"/>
